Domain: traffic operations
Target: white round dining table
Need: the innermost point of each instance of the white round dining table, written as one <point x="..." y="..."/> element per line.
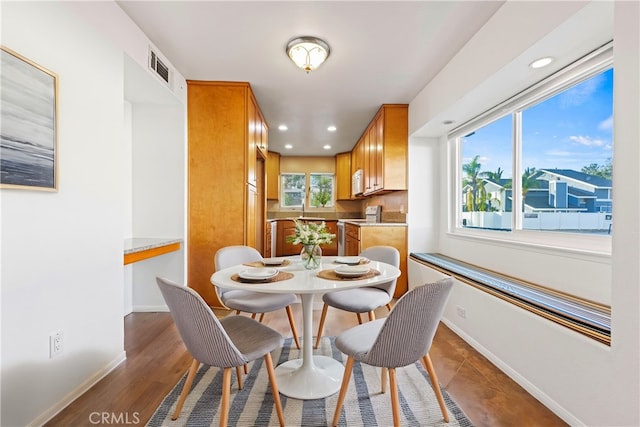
<point x="312" y="376"/>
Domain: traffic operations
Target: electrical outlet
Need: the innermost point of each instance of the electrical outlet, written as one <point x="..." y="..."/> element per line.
<point x="461" y="312"/>
<point x="56" y="344"/>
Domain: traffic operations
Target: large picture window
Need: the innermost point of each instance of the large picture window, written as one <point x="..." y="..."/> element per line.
<point x="541" y="161"/>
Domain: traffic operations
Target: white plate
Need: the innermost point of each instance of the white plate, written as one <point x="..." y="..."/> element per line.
<point x="351" y="270"/>
<point x="258" y="273"/>
<point x="273" y="261"/>
<point x="350" y="260"/>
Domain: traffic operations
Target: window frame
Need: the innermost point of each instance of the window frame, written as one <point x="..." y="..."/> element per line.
<point x="592" y="64"/>
<point x="283" y="192"/>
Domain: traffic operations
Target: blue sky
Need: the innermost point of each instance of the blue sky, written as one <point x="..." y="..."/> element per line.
<point x="568" y="131"/>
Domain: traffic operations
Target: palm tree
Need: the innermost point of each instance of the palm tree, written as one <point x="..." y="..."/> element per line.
<point x="472" y="179"/>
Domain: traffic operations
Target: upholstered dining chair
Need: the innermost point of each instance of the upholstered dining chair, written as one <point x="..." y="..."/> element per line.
<point x="363" y="300"/>
<point x="248" y="301"/>
<point x="400" y="339"/>
<point x="226" y="343"/>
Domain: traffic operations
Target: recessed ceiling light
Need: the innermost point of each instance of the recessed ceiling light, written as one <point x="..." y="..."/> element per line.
<point x="541" y="62"/>
<point x="282" y="127"/>
<point x="332" y="128"/>
<point x="327" y="147"/>
<point x="288" y="146"/>
<point x="448" y="122"/>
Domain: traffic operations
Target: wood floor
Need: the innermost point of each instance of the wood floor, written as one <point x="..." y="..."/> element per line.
<point x="157" y="359"/>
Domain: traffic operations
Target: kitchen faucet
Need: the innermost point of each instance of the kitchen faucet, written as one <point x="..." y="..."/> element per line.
<point x="303" y="208"/>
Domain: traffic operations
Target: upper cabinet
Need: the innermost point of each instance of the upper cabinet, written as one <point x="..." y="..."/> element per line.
<point x="343" y="176"/>
<point x="273" y="175"/>
<point x="382" y="150"/>
<point x="226" y="176"/>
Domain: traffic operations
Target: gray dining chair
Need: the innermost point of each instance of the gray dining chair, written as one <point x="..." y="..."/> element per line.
<point x="249" y="301"/>
<point x="230" y="342"/>
<point x="367" y="299"/>
<point x="400" y="339"/>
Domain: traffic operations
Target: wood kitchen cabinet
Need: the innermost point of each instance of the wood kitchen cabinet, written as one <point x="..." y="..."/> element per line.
<point x="358" y="238"/>
<point x="226" y="176"/>
<point x="267" y="241"/>
<point x="382" y="150"/>
<point x="273" y="175"/>
<point x="287" y="228"/>
<point x="343" y="176"/>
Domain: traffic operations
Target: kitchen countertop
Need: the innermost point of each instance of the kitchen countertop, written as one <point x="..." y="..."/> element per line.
<point x="363" y="223"/>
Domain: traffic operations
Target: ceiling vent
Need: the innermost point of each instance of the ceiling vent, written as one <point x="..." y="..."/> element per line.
<point x="160" y="69"/>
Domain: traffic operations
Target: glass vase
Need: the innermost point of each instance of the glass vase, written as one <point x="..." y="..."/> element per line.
<point x="311" y="256"/>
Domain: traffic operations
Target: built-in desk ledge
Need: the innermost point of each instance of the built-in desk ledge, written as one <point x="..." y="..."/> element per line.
<point x="141" y="248"/>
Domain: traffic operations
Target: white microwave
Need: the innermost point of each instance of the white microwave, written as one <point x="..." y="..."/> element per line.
<point x="357" y="183"/>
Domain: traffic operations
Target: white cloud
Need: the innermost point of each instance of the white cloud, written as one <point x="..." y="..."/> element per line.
<point x="606" y="124"/>
<point x="587" y="141"/>
<point x="558" y="153"/>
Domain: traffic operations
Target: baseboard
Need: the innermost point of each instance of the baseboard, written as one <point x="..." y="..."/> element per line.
<point x="79" y="391"/>
<point x="547" y="401"/>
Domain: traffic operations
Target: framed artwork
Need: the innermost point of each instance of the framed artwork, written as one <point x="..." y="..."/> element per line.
<point x="28" y="131"/>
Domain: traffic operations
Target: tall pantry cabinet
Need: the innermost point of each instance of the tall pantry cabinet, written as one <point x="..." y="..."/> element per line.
<point x="227" y="137"/>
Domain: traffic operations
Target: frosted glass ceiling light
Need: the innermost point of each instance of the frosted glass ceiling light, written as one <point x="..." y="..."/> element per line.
<point x="308" y="52"/>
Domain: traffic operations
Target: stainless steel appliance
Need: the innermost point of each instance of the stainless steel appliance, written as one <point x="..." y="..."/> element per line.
<point x="341" y="238"/>
<point x="373" y="213"/>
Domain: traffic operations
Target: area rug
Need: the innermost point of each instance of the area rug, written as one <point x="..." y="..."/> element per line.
<point x="364" y="404"/>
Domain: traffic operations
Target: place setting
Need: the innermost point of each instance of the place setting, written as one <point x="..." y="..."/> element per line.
<point x="261" y="275"/>
<point x="349" y="272"/>
<point x="351" y="260"/>
<point x="269" y="262"/>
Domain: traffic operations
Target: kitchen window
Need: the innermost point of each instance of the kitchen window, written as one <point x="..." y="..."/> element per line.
<point x="557" y="137"/>
<point x="293" y="189"/>
<point x="321" y="190"/>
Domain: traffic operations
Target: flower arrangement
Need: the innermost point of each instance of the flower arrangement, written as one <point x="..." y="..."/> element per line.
<point x="310" y="233"/>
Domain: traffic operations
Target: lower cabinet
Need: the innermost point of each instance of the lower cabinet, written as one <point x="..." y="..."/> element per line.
<point x="287" y="228"/>
<point x="358" y="238"/>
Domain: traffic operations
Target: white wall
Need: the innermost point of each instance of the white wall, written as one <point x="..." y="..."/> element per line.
<point x="159" y="168"/>
<point x="584" y="382"/>
<point x="62" y="252"/>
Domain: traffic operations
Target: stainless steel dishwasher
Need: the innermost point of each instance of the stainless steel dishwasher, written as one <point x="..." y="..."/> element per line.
<point x="341" y="238"/>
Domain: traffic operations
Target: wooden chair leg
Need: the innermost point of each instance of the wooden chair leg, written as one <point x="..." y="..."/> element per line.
<point x="274" y="387"/>
<point x="253" y="316"/>
<point x="359" y="318"/>
<point x="388" y="306"/>
<point x="395" y="406"/>
<point x="224" y="402"/>
<point x="372" y="316"/>
<point x="343" y="389"/>
<point x="261" y="317"/>
<point x="426" y="362"/>
<point x="246" y="368"/>
<point x="323" y="317"/>
<point x="239" y="375"/>
<point x="237" y="312"/>
<point x="383" y="380"/>
<point x="292" y="323"/>
<point x="186" y="388"/>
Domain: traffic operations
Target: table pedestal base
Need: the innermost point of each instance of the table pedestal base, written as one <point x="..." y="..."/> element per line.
<point x="316" y="379"/>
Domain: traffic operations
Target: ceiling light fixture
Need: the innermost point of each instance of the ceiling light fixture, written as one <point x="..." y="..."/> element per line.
<point x="283" y="127"/>
<point x="541" y="62"/>
<point x="327" y="147"/>
<point x="288" y="146"/>
<point x="332" y="128"/>
<point x="308" y="52"/>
